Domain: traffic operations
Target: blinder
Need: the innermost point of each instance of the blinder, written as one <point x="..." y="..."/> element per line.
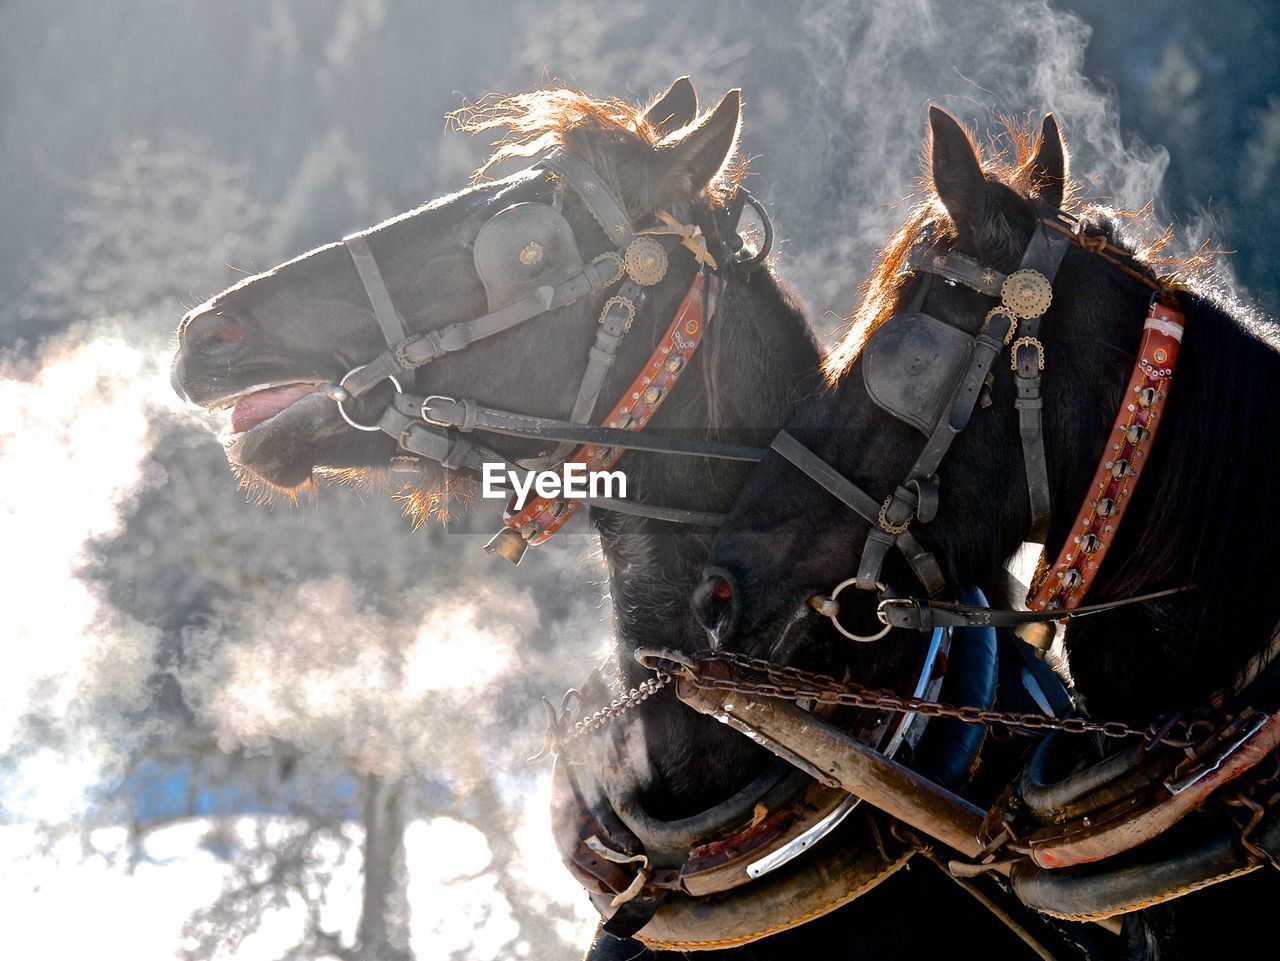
<point x="524" y="247"/>
<point x="910" y="367"/>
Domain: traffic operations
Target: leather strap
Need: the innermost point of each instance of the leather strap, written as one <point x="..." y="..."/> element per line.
<point x="464" y="415"/>
<point x="915" y="614"/>
<point x="957" y="267"/>
<point x="541" y="517"/>
<point x="408" y="353"/>
<point x="384" y="309"/>
<point x="1044" y="254"/>
<point x="595" y="193"/>
<point x="1119" y="467"/>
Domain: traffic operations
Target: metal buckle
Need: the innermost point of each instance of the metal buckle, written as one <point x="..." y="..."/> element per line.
<point x="426" y="402"/>
<point x="342" y="395"/>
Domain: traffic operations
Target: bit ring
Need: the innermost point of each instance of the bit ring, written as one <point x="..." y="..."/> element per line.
<point x="341" y="399"/>
<point x="834" y="615"/>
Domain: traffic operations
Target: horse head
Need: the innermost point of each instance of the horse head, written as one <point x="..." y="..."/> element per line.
<point x="927" y="443"/>
<point x="516" y="271"/>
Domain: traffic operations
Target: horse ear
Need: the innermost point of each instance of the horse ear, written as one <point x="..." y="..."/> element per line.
<point x="675" y="108"/>
<point x="1049" y="165"/>
<point x="690" y="158"/>
<point x="954" y="169"/>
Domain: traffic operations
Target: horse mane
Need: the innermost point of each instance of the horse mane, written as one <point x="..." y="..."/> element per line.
<point x="1008" y="160"/>
<point x="1211" y="516"/>
<point x="610" y="135"/>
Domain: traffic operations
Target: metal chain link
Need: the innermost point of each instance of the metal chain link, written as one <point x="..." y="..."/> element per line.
<point x="737" y="673"/>
<point x="620" y="705"/>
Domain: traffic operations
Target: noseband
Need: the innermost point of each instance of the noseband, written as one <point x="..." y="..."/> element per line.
<point x="530" y="263"/>
<point x="931" y="375"/>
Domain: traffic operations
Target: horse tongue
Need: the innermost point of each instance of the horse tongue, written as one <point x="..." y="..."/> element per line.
<point x="256" y="408"/>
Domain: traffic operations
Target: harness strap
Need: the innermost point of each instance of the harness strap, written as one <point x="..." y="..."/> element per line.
<point x="861" y="503"/>
<point x="384" y="309"/>
<point x="957" y="267"/>
<point x="1121" y="464"/>
<point x="405" y="354"/>
<point x="1044" y="254"/>
<point x="465" y="415"/>
<point x="541" y="517"/>
<point x="595" y="193"/>
<point x="921" y="615"/>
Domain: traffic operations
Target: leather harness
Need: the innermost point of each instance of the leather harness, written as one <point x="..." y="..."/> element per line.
<point x="931" y="376"/>
<point x="530" y="263"/>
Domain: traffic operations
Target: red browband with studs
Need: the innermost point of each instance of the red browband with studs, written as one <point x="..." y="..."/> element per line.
<point x="1121" y="464"/>
<point x="543" y="516"/>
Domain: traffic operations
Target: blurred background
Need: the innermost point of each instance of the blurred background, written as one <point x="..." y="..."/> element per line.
<point x="228" y="730"/>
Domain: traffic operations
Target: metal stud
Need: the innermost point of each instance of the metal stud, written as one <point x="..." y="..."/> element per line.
<point x="653" y="395"/>
<point x="531" y="254"/>
<point x="1090" y="543"/>
<point x="1106" y="507"/>
<point x="1121" y="468"/>
<point x="1147" y="396"/>
<point x="1070" y="578"/>
<point x="1136" y="434"/>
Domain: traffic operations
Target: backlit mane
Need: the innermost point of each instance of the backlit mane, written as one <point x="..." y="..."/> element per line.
<point x="1009" y="161"/>
<point x="610" y="135"/>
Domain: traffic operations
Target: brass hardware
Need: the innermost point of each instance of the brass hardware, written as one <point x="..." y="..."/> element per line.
<point x="1026" y="342"/>
<point x="531" y="254"/>
<point x="1027" y="293"/>
<point x="626" y="304"/>
<point x="646" y="261"/>
<point x="826" y="606"/>
<point x="1040" y="634"/>
<point x="508" y="544"/>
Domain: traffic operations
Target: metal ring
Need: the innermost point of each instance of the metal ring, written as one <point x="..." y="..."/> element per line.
<point x="341" y="402"/>
<point x="835" y="618"/>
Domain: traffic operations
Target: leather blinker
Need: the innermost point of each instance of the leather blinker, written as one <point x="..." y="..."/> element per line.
<point x="910" y="365"/>
<point x="521" y="248"/>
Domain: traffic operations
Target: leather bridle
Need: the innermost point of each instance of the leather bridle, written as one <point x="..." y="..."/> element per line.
<point x="934" y="376"/>
<point x="529" y="260"/>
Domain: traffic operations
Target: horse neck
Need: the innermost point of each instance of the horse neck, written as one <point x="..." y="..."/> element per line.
<point x="1205" y="514"/>
<point x="757" y="355"/>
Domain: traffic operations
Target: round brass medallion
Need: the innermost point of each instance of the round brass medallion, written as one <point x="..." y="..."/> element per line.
<point x="646" y="261"/>
<point x="1027" y="293"/>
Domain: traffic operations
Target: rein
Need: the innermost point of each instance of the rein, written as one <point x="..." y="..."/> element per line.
<point x="529" y="260"/>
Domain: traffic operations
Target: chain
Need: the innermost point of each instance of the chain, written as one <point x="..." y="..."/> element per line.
<point x="728" y="671"/>
<point x="620" y="705"/>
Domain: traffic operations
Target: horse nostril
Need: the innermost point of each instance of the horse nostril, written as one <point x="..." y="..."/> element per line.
<point x="211" y="328"/>
<point x="714" y="604"/>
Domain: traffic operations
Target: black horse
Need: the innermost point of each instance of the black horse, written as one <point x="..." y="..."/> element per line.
<point x="272" y="347"/>
<point x="1204" y="513"/>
